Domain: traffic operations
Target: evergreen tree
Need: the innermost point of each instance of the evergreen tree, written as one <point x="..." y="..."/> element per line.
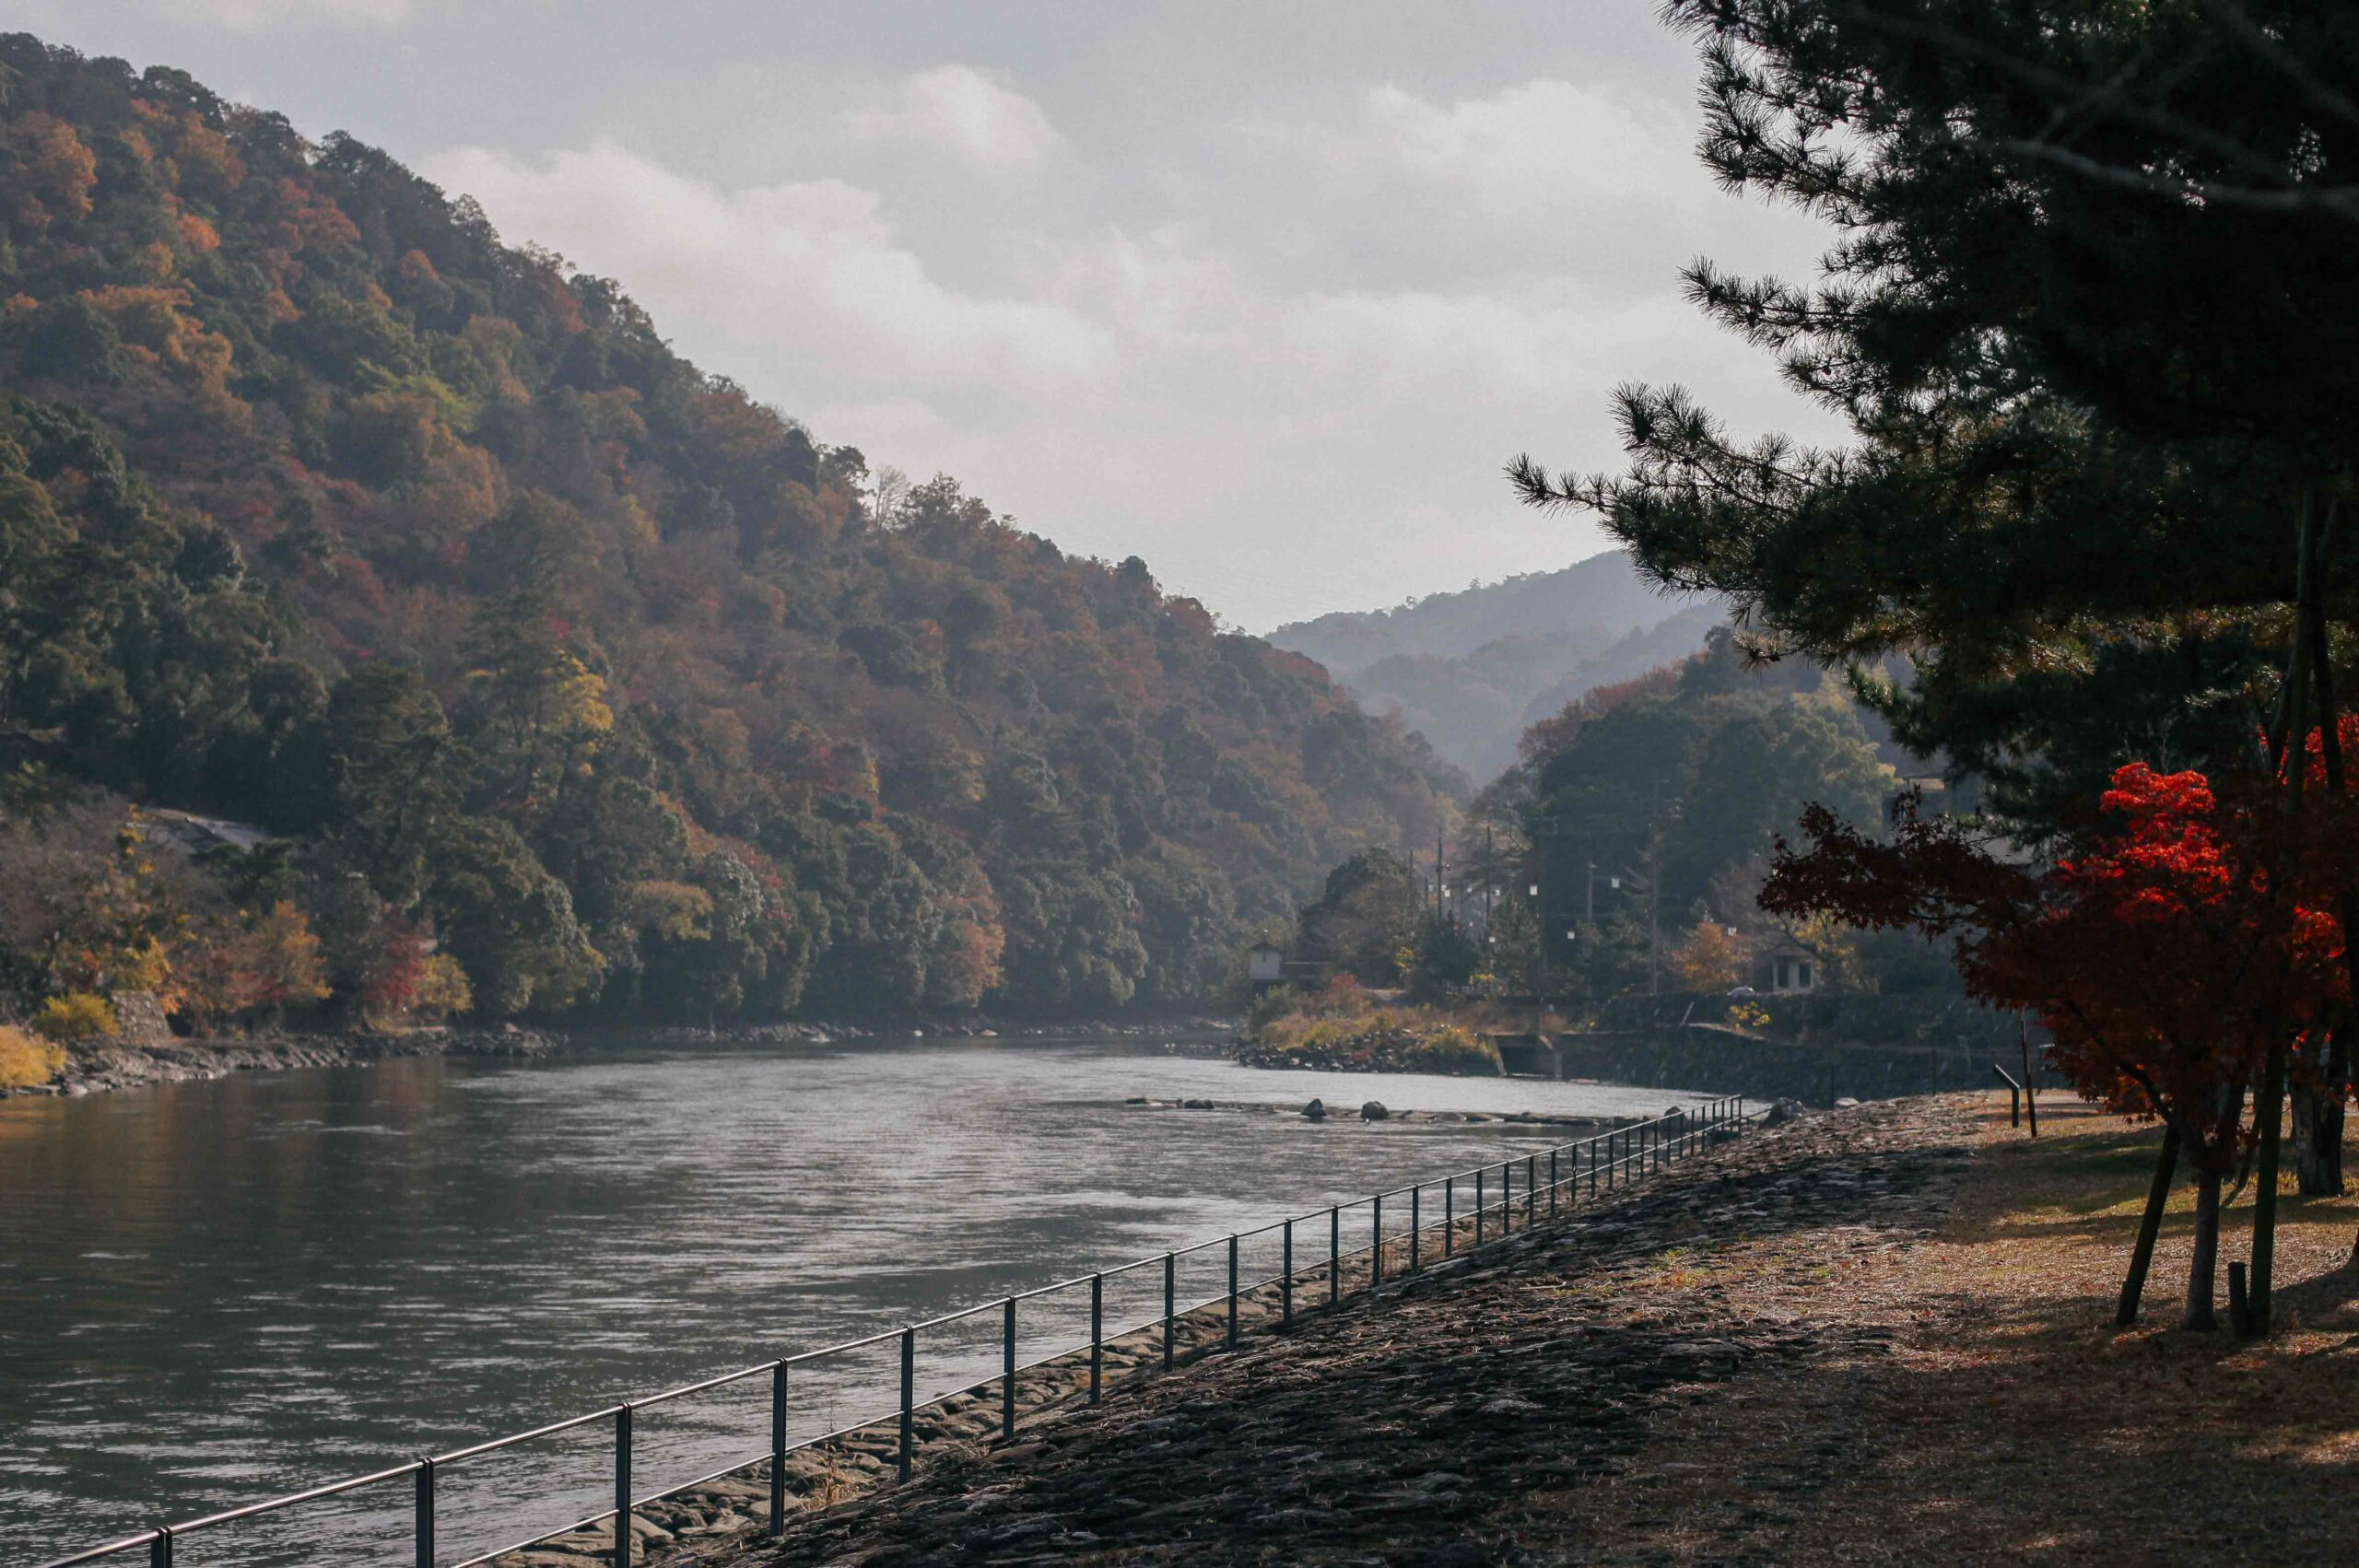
<point x="2088" y="320"/>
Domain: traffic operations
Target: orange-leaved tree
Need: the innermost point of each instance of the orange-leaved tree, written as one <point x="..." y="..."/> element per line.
<point x="2167" y="956"/>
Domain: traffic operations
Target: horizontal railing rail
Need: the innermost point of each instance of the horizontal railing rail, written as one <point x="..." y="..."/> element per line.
<point x="1605" y="1162"/>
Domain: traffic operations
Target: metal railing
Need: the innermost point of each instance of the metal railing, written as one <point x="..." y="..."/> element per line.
<point x="1604" y="1162"/>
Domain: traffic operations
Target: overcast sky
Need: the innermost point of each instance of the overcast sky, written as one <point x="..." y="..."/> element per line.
<point x="1267" y="293"/>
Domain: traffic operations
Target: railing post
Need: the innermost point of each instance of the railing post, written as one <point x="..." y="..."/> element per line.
<point x="909" y="1395"/>
<point x="1478" y="1205"/>
<point x="1449" y="1214"/>
<point x="1531" y="1184"/>
<point x="1592" y="1146"/>
<point x="1416" y="1194"/>
<point x="1285" y="1280"/>
<point x="1170" y="1303"/>
<point x="160" y="1550"/>
<point x="1096" y="1333"/>
<point x="1376" y="1253"/>
<point x="1506" y="1196"/>
<point x="777" y="1449"/>
<point x="1334" y="1254"/>
<point x="1232" y="1290"/>
<point x="425" y="1513"/>
<point x="1007" y="1370"/>
<point x="622" y="1486"/>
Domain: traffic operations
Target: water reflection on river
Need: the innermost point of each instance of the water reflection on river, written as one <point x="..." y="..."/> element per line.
<point x="210" y="1292"/>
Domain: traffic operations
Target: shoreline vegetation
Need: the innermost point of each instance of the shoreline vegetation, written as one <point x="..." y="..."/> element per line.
<point x="1347" y="1028"/>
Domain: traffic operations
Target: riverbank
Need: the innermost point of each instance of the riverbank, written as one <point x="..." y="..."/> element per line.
<point x="1817" y="1071"/>
<point x="93" y="1067"/>
<point x="1877" y="1335"/>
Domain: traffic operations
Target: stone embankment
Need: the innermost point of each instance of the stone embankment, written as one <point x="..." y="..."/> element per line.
<point x="1817" y="1071"/>
<point x="94" y="1066"/>
<point x="1460" y="1416"/>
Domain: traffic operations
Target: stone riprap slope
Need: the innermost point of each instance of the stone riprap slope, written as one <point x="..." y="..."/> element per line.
<point x="1466" y="1416"/>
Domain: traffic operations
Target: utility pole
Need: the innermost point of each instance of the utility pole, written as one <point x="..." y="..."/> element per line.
<point x="1654" y="895"/>
<point x="1488" y="877"/>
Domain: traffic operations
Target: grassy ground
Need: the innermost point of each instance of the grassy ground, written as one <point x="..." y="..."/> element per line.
<point x="2009" y="1421"/>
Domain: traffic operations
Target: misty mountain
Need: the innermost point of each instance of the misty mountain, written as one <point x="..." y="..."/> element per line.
<point x="1470" y="670"/>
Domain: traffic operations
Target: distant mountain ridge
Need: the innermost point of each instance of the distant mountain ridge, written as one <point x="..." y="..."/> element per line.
<point x="1604" y="590"/>
<point x="1470" y="670"/>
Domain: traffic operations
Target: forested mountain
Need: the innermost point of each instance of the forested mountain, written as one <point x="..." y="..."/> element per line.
<point x="1470" y="669"/>
<point x="323" y="507"/>
<point x="1473" y="708"/>
<point x="1644" y="814"/>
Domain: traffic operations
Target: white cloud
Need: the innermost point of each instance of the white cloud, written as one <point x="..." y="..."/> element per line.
<point x="958" y="110"/>
<point x="804" y="280"/>
<point x="1544" y="143"/>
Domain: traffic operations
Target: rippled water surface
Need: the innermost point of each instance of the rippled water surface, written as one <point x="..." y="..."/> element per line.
<point x="212" y="1292"/>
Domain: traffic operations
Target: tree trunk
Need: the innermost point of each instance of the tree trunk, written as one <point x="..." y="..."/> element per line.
<point x="2269" y="1112"/>
<point x="2142" y="1256"/>
<point x="2318" y="1120"/>
<point x="2204" y="1265"/>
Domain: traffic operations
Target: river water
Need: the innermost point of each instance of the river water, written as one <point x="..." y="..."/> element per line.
<point x="214" y="1293"/>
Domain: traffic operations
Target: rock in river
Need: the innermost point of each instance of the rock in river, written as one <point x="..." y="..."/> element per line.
<point x="1374" y="1111"/>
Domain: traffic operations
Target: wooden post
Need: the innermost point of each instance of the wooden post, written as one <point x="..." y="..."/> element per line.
<point x="2031" y="1085"/>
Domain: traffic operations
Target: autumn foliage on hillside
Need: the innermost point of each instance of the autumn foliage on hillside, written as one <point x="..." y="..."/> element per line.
<point x="321" y="508"/>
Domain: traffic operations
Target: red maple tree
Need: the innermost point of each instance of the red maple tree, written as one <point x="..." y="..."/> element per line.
<point x="2167" y="957"/>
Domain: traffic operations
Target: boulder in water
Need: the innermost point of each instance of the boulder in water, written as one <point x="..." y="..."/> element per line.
<point x="1374" y="1111"/>
<point x="1315" y="1111"/>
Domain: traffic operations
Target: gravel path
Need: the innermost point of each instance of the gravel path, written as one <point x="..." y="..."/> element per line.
<point x="1493" y="1411"/>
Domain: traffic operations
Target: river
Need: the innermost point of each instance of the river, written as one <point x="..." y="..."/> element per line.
<point x="212" y="1292"/>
